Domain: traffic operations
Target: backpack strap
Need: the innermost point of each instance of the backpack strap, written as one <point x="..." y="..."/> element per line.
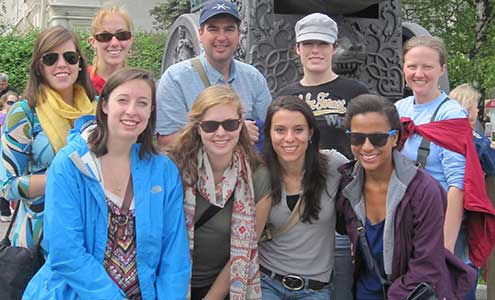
<point x="196" y="63"/>
<point x="424" y="147"/>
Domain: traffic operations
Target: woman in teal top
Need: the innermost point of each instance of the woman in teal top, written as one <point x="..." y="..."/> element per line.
<point x="57" y="93"/>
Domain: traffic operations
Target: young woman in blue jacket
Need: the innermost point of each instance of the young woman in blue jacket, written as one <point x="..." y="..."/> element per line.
<point x="115" y="225"/>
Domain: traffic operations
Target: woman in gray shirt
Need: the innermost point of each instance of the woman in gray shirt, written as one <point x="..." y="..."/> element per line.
<point x="298" y="262"/>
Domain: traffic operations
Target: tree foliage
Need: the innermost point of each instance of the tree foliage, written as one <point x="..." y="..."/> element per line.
<point x="16" y="51"/>
<point x="468" y="29"/>
<point x="166" y="12"/>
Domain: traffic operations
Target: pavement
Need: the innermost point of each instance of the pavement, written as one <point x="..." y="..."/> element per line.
<point x="3" y="229"/>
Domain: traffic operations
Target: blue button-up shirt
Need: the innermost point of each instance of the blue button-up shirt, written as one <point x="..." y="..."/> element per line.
<point x="180" y="85"/>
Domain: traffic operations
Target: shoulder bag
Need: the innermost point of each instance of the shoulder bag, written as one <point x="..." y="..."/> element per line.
<point x="17" y="264"/>
<point x="423" y="291"/>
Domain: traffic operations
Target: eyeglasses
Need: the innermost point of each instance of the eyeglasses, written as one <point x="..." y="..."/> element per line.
<point x="212" y="126"/>
<point x="71" y="57"/>
<point x="376" y="139"/>
<point x="10" y="102"/>
<point x="105" y="37"/>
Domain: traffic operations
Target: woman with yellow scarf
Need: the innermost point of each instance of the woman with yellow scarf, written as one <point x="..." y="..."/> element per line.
<point x="57" y="93"/>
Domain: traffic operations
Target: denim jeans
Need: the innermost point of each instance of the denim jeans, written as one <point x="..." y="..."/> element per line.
<point x="272" y="289"/>
<point x="342" y="270"/>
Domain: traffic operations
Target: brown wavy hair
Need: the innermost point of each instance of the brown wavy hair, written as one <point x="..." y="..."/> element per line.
<point x="47" y="40"/>
<point x="98" y="138"/>
<point x="188" y="143"/>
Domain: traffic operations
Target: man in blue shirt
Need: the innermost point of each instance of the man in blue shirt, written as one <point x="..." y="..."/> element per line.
<point x="180" y="84"/>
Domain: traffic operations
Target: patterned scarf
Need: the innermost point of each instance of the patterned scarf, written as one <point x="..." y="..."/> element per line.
<point x="56" y="117"/>
<point x="244" y="271"/>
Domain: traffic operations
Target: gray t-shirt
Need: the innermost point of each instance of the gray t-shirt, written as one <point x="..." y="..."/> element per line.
<point x="307" y="249"/>
<point x="212" y="240"/>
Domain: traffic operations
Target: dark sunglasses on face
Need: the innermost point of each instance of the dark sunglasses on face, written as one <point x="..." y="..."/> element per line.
<point x="105" y="37"/>
<point x="10" y="102"/>
<point x="71" y="57"/>
<point x="212" y="126"/>
<point x="376" y="139"/>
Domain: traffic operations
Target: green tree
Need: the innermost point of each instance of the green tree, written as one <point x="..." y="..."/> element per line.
<point x="166" y="12"/>
<point x="468" y="29"/>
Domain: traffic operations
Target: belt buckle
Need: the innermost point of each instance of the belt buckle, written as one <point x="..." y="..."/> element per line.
<point x="293" y="282"/>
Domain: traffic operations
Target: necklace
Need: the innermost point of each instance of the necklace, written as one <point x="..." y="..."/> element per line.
<point x="115" y="177"/>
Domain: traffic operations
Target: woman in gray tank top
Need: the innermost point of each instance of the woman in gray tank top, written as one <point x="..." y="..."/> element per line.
<point x="296" y="262"/>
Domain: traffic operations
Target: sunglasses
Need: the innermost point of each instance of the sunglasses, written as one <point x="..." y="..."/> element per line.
<point x="212" y="126"/>
<point x="71" y="57"/>
<point x="10" y="102"/>
<point x="105" y="37"/>
<point x="376" y="139"/>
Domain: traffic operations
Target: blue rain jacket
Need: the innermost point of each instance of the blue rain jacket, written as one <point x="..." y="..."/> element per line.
<point x="76" y="226"/>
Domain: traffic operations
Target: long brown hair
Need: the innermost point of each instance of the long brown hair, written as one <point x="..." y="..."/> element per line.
<point x="315" y="163"/>
<point x="48" y="40"/>
<point x="185" y="149"/>
<point x="98" y="139"/>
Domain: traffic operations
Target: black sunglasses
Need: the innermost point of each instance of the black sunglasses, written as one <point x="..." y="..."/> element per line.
<point x="212" y="126"/>
<point x="376" y="139"/>
<point x="10" y="102"/>
<point x="105" y="37"/>
<point x="71" y="57"/>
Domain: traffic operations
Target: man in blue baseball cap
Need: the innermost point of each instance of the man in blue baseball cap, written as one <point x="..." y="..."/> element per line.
<point x="180" y="84"/>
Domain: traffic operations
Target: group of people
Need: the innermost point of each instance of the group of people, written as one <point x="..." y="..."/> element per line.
<point x="345" y="199"/>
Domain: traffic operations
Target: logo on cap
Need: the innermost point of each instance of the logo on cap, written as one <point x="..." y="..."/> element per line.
<point x="220" y="6"/>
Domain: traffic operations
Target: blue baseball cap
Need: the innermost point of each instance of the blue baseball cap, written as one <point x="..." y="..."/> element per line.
<point x="217" y="7"/>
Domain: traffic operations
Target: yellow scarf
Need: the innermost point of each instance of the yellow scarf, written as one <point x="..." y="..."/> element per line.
<point x="57" y="117"/>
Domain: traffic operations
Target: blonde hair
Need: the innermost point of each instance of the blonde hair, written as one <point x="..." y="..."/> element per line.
<point x="432" y="42"/>
<point x="101" y="14"/>
<point x="188" y="143"/>
<point x="466" y="95"/>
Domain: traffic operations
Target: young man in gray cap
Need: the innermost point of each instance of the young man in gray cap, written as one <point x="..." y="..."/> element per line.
<point x="180" y="84"/>
<point x="328" y="94"/>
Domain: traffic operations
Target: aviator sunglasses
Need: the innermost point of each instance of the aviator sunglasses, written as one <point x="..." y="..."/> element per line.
<point x="376" y="139"/>
<point x="71" y="57"/>
<point x="105" y="37"/>
<point x="212" y="126"/>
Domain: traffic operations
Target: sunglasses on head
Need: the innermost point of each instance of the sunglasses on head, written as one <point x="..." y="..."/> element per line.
<point x="376" y="139"/>
<point x="105" y="37"/>
<point x="71" y="57"/>
<point x="212" y="126"/>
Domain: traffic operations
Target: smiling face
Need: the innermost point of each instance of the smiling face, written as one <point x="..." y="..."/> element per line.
<point x="316" y="56"/>
<point x="219" y="38"/>
<point x="220" y="144"/>
<point x="290" y="135"/>
<point x="128" y="110"/>
<point x="61" y="76"/>
<point x="372" y="158"/>
<point x="422" y="71"/>
<point x="114" y="52"/>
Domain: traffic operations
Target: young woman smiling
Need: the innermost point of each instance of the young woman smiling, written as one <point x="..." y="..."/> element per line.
<point x="225" y="208"/>
<point x="116" y="224"/>
<point x="398" y="207"/>
<point x="304" y="182"/>
<point x="112" y="40"/>
<point x="58" y="92"/>
<point x="439" y="137"/>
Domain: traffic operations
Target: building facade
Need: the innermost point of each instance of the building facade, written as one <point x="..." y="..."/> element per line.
<point x="25" y="15"/>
